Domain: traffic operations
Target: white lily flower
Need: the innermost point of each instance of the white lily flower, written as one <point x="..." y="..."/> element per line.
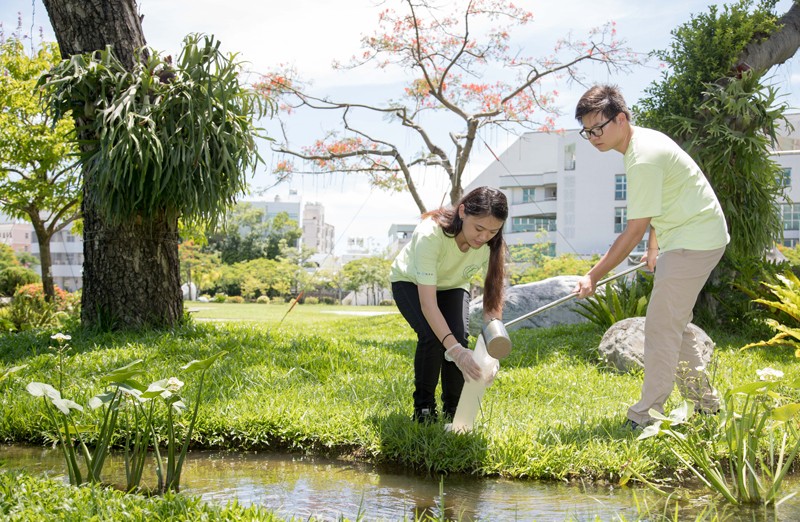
<point x="174" y="384"/>
<point x="769" y="374"/>
<point x="60" y="337"/>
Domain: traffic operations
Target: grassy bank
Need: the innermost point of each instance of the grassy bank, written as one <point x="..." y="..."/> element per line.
<point x="341" y="385"/>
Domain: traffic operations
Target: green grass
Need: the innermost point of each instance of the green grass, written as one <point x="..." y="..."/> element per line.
<point x="271" y="314"/>
<point x="25" y="498"/>
<point x="341" y="385"/>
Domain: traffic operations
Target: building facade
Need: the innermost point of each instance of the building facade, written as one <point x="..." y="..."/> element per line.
<point x="564" y="192"/>
<point x="317" y="234"/>
<point x="17" y="235"/>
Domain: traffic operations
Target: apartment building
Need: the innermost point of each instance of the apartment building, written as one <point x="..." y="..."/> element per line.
<point x="66" y="257"/>
<point x="317" y="234"/>
<point x="17" y="235"/>
<point x="564" y="192"/>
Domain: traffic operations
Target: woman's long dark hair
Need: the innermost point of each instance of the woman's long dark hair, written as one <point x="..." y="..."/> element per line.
<point x="481" y="202"/>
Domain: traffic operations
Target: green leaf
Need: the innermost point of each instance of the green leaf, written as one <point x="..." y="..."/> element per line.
<point x="196" y="365"/>
<point x="99" y="400"/>
<point x="65" y="405"/>
<point x="40" y="389"/>
<point x="124" y="373"/>
<point x="785" y="413"/>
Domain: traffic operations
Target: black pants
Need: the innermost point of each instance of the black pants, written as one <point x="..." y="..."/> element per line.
<point x="429" y="359"/>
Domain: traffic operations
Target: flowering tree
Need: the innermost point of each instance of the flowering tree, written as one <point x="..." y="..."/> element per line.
<point x="462" y="68"/>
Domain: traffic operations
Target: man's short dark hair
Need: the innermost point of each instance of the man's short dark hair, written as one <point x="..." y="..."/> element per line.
<point x="605" y="99"/>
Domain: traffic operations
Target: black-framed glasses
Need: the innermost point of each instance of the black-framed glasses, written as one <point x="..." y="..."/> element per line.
<point x="595" y="131"/>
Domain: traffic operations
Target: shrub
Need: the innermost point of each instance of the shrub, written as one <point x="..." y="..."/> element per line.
<point x="29" y="309"/>
<point x="311" y="300"/>
<point x="14" y="277"/>
<point x="327" y="300"/>
<point x="6" y="324"/>
<point x="619" y="301"/>
<point x="219" y="298"/>
<point x="234" y="299"/>
<point x="387" y="302"/>
<point x="787" y="332"/>
<point x="263" y="299"/>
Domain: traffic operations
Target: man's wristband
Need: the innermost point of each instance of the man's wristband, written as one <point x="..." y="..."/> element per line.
<point x="446" y="336"/>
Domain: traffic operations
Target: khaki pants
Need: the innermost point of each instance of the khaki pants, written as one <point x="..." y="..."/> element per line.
<point x="670" y="348"/>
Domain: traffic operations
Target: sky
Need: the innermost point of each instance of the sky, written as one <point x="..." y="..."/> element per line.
<point x="310" y="34"/>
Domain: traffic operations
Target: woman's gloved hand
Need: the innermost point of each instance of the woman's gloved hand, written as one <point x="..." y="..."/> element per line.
<point x="492" y="373"/>
<point x="463" y="359"/>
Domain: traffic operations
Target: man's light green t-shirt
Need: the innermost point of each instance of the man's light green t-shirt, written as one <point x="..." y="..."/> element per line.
<point x="666" y="185"/>
<point x="432" y="258"/>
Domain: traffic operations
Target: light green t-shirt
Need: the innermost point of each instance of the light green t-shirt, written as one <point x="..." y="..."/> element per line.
<point x="432" y="258"/>
<point x="666" y="185"/>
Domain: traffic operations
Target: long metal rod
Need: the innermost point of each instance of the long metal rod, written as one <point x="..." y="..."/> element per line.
<point x="573" y="295"/>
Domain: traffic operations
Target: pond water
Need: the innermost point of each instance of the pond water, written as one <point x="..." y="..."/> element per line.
<point x="303" y="486"/>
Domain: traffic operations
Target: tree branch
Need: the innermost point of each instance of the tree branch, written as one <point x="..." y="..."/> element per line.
<point x="778" y="48"/>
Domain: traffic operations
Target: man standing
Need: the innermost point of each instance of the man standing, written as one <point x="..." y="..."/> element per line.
<point x="669" y="195"/>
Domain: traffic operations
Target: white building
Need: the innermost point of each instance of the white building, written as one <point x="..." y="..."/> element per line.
<point x="17" y="235"/>
<point x="564" y="192"/>
<point x="66" y="256"/>
<point x="66" y="252"/>
<point x="400" y="234"/>
<point x="289" y="205"/>
<point x="317" y="234"/>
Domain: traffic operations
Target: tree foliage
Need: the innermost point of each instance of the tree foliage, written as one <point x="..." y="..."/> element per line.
<point x="38" y="179"/>
<point x="176" y="138"/>
<point x="726" y="118"/>
<point x="248" y="234"/>
<point x="370" y="274"/>
<point x="463" y="74"/>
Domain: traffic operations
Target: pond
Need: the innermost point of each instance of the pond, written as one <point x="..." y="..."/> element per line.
<point x="303" y="486"/>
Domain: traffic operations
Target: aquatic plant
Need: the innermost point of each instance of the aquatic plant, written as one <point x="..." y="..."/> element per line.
<point x="753" y="428"/>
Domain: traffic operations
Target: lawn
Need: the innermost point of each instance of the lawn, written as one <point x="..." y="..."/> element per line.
<point x="329" y="381"/>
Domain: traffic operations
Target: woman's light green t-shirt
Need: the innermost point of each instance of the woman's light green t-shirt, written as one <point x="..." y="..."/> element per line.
<point x="666" y="185"/>
<point x="432" y="258"/>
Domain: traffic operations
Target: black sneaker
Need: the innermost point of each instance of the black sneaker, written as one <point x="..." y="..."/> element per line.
<point x="632" y="425"/>
<point x="425" y="415"/>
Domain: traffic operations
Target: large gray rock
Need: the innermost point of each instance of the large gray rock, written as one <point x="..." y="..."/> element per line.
<point x="522" y="299"/>
<point x="622" y="346"/>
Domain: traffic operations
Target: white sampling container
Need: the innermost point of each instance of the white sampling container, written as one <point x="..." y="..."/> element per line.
<point x="470" y="402"/>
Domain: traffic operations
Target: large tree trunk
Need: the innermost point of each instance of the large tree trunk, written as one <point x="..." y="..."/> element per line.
<point x="131" y="274"/>
<point x="779" y="47"/>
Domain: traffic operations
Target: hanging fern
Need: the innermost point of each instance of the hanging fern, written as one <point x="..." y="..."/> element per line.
<point x="163" y="137"/>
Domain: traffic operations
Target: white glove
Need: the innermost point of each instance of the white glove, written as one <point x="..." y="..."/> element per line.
<point x="492" y="373"/>
<point x="463" y="359"/>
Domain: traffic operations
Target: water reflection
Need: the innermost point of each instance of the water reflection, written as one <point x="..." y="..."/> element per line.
<point x="303" y="487"/>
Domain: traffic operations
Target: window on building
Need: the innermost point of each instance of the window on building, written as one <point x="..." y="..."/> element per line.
<point x="790" y="214"/>
<point x="550" y="193"/>
<point x="620" y="219"/>
<point x="790" y="242"/>
<point x="533" y="224"/>
<point x="528" y="194"/>
<point x="785" y="177"/>
<point x="620" y="187"/>
<point x="569" y="157"/>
